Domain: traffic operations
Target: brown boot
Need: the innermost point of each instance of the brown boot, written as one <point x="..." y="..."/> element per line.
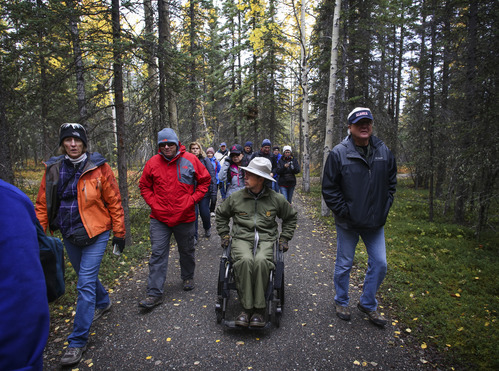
<point x="242" y="319"/>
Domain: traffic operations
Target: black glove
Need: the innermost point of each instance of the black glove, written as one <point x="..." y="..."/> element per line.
<point x="119" y="243"/>
<point x="283" y="245"/>
<point x="225" y="241"/>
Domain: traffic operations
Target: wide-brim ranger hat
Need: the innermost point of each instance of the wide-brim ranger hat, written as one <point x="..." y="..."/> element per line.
<point x="260" y="166"/>
<point x="358" y="114"/>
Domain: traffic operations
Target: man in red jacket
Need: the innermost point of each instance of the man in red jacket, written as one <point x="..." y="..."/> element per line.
<point x="172" y="183"/>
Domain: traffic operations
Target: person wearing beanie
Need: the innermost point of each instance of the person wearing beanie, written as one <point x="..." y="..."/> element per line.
<point x="172" y="183"/>
<point x="253" y="231"/>
<point x="287" y="168"/>
<point x="210" y="153"/>
<point x="231" y="172"/>
<point x="265" y="152"/>
<point x="79" y="196"/>
<point x="359" y="180"/>
<point x="203" y="207"/>
<point x="248" y="151"/>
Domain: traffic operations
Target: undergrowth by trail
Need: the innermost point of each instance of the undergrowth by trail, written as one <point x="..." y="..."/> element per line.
<point x="441" y="283"/>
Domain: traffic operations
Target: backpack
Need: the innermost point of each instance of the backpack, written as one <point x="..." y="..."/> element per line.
<point x="52" y="259"/>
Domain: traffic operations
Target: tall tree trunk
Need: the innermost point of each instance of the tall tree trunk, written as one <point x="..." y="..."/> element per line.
<point x="120" y="114"/>
<point x="162" y="63"/>
<point x="443" y="115"/>
<point x="400" y="66"/>
<point x="192" y="72"/>
<point x="304" y="85"/>
<point x="470" y="106"/>
<point x="6" y="172"/>
<point x="44" y="96"/>
<point x="331" y="99"/>
<point x="432" y="113"/>
<point x="152" y="71"/>
<point x="78" y="59"/>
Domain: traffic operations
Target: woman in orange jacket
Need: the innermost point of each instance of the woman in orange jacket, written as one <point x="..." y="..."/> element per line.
<point x="79" y="196"/>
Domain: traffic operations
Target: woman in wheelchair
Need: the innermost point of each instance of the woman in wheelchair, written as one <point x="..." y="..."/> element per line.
<point x="253" y="211"/>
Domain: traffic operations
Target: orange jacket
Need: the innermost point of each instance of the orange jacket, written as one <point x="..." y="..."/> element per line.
<point x="99" y="198"/>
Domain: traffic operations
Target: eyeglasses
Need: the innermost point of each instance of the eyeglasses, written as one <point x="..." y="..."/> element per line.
<point x="167" y="144"/>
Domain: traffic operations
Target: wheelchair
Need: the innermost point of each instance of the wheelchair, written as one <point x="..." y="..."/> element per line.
<point x="274" y="295"/>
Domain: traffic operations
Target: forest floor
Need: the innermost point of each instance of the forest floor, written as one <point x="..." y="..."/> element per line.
<point x="183" y="334"/>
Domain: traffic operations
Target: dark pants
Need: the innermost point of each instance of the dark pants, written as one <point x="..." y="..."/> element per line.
<point x="160" y="245"/>
<point x="203" y="208"/>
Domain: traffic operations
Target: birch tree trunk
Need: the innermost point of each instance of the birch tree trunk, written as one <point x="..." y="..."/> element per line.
<point x="328" y="139"/>
<point x="305" y="123"/>
<point x="120" y="115"/>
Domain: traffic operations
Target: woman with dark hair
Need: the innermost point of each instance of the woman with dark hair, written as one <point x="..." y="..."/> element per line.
<point x="231" y="172"/>
<point x="287" y="168"/>
<point x="79" y="196"/>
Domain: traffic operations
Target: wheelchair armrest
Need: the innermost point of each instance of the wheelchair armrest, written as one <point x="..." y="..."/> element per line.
<point x="226" y="251"/>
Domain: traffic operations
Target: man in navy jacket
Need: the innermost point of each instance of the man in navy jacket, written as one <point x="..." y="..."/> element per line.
<point x="358" y="185"/>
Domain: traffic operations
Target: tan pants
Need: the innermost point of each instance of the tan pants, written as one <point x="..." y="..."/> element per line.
<point x="252" y="272"/>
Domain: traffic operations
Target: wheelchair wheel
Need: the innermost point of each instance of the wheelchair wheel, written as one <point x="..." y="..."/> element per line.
<point x="219" y="313"/>
<point x="279" y="303"/>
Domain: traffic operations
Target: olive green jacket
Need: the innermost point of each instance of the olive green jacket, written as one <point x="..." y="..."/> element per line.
<point x="250" y="214"/>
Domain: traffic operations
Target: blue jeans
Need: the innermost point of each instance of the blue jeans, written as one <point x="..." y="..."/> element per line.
<point x="376" y="264"/>
<point x="287" y="192"/>
<point x="160" y="245"/>
<point x="223" y="190"/>
<point x="275" y="186"/>
<point x="203" y="208"/>
<point x="91" y="294"/>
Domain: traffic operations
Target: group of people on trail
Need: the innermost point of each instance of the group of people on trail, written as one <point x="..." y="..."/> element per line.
<point x="79" y="196"/>
<point x="284" y="167"/>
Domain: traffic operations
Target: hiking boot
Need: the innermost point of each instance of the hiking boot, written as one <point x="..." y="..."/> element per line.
<point x="188" y="285"/>
<point x="99" y="312"/>
<point x="242" y="319"/>
<point x="212" y="214"/>
<point x="72" y="356"/>
<point x="373" y="316"/>
<point x="207" y="232"/>
<point x="343" y="312"/>
<point x="257" y="320"/>
<point x="151" y="302"/>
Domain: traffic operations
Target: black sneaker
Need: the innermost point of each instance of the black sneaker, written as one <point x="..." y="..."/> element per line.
<point x="373" y="316"/>
<point x="72" y="356"/>
<point x="343" y="312"/>
<point x="99" y="312"/>
<point x="151" y="302"/>
<point x="207" y="232"/>
<point x="188" y="285"/>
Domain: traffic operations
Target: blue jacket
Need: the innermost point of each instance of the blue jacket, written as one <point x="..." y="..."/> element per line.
<point x="24" y="310"/>
<point x="359" y="191"/>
